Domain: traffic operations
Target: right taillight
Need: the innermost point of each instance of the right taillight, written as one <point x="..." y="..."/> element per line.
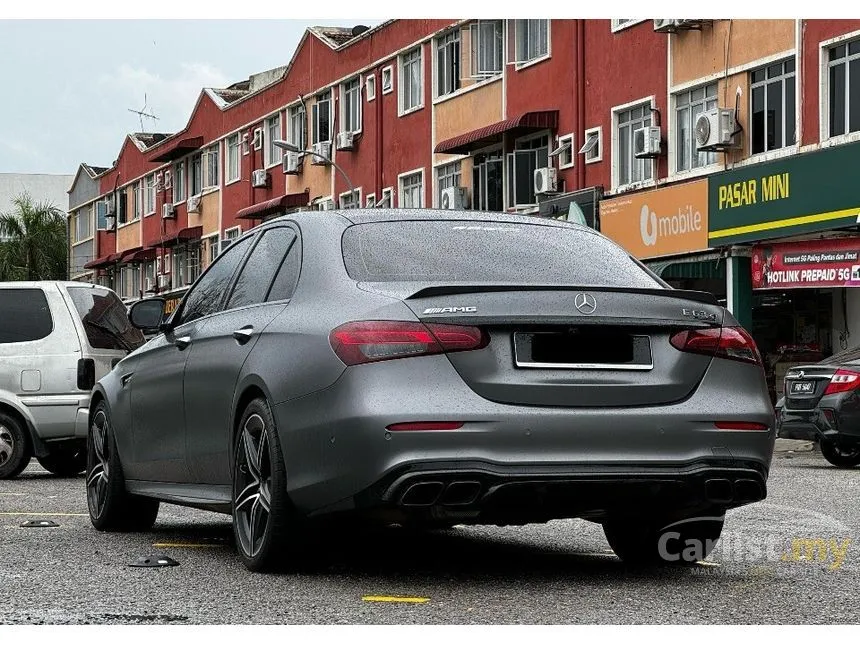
<point x="733" y="343"/>
<point x="381" y="340"/>
<point x="843" y="381"/>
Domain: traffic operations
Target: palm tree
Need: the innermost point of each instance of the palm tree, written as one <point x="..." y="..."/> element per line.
<point x="34" y="245"/>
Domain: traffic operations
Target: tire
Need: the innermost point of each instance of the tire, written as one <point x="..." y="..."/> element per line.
<point x="111" y="507"/>
<point x="67" y="461"/>
<point x="14" y="447"/>
<point x="658" y="542"/>
<point x="838" y="457"/>
<point x="265" y="523"/>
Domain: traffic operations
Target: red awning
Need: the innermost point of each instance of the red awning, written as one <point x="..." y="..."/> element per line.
<point x="185" y="235"/>
<point x="139" y="255"/>
<point x="179" y="149"/>
<point x="103" y="262"/>
<point x="257" y="211"/>
<point x="545" y="120"/>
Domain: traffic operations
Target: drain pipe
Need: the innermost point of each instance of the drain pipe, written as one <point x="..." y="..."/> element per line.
<point x="377" y="74"/>
<point x="580" y="100"/>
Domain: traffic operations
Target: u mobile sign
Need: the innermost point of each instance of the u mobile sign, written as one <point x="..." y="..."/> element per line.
<point x="664" y="221"/>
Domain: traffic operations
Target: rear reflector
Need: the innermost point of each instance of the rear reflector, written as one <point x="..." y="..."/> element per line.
<point x="843" y="381"/>
<point x="380" y="340"/>
<point x="740" y="425"/>
<point x="426" y="425"/>
<point x="733" y="343"/>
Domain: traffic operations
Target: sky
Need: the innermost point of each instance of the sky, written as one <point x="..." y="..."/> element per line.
<point x="68" y="85"/>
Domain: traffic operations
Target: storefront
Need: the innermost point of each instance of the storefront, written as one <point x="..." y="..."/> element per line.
<point x="667" y="228"/>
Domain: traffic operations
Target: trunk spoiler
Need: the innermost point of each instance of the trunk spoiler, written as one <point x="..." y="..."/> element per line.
<point x="446" y="290"/>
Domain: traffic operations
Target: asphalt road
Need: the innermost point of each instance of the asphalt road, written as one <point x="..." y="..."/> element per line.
<point x="561" y="572"/>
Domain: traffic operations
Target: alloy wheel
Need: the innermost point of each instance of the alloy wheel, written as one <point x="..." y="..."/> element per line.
<point x="252" y="488"/>
<point x="7" y="445"/>
<point x="98" y="464"/>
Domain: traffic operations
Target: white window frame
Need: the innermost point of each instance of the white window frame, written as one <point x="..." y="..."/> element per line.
<point x="370" y="200"/>
<point x="402" y="110"/>
<point x="781" y="79"/>
<point x="259" y="145"/>
<point x="343" y="105"/>
<point x="620" y="24"/>
<point x="272" y="154"/>
<point x="315" y="112"/>
<point x="180" y="181"/>
<point x="137" y="201"/>
<point x="437" y="188"/>
<point x="566" y="142"/>
<point x="475" y="42"/>
<point x="615" y="111"/>
<point x="205" y="167"/>
<point x="190" y="192"/>
<point x="229" y="236"/>
<point x="299" y="114"/>
<point x="388" y="70"/>
<point x="441" y="46"/>
<point x="356" y="193"/>
<point x="230" y="176"/>
<point x="149" y="195"/>
<point x="526" y="62"/>
<point x="824" y="92"/>
<point x="370" y="87"/>
<point x="509" y="165"/>
<point x="389" y="194"/>
<point x="675" y="130"/>
<point x="400" y="191"/>
<point x="209" y="246"/>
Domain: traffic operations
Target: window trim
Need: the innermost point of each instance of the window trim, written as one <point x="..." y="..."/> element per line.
<point x="367" y="199"/>
<point x="390" y="70"/>
<point x="346" y="193"/>
<point x="315" y="112"/>
<point x="389" y="192"/>
<point x="370" y="81"/>
<point x="342" y="104"/>
<point x="269" y="163"/>
<point x="299" y="107"/>
<point x="507" y="156"/>
<point x="824" y="91"/>
<point x="403" y="176"/>
<point x="621" y="26"/>
<point x="599" y="130"/>
<point x="671" y="154"/>
<point x="520" y="65"/>
<point x="434" y="64"/>
<point x="238" y="177"/>
<point x="208" y="240"/>
<point x="176" y="181"/>
<point x="560" y="141"/>
<point x="206" y="187"/>
<point x="401" y="111"/>
<point x="146" y="191"/>
<point x="614" y="111"/>
<point x="437" y="193"/>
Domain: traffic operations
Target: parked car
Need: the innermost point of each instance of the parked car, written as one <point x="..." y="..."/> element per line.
<point x="433" y="368"/>
<point x="822" y="402"/>
<point x="56" y="340"/>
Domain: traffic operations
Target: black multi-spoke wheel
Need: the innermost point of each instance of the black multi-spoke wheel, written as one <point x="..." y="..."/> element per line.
<point x="14" y="448"/>
<point x="262" y="514"/>
<point x="839" y="456"/>
<point x="66" y="461"/>
<point x="111" y="507"/>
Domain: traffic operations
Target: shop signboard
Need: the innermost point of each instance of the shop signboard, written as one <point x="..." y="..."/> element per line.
<point x="814" y="264"/>
<point x="804" y="193"/>
<point x="660" y="222"/>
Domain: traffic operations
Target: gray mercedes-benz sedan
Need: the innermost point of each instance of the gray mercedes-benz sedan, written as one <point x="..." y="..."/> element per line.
<point x="430" y="369"/>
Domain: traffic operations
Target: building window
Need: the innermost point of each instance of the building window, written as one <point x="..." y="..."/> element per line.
<point x="844" y="88"/>
<point x="149" y="195"/>
<point x="448" y="63"/>
<point x="370" y="85"/>
<point x="101" y="214"/>
<point x="213" y="249"/>
<point x="688" y="106"/>
<point x="351" y="97"/>
<point x="350" y="199"/>
<point x="485" y="44"/>
<point x="137" y="197"/>
<point x="772" y="115"/>
<point x="297" y="126"/>
<point x="230" y="236"/>
<point x="410" y="87"/>
<point x="233" y="168"/>
<point x="592" y="147"/>
<point x="196" y="175"/>
<point x="387" y="80"/>
<point x="488" y="182"/>
<point x="370" y="201"/>
<point x="630" y="169"/>
<point x="179" y="185"/>
<point x="212" y="167"/>
<point x="411" y="194"/>
<point x="82" y="224"/>
<point x="528" y="156"/>
<point x="322" y="118"/>
<point x="447" y="176"/>
<point x="387" y="198"/>
<point x="273" y="153"/>
<point x="565" y="152"/>
<point x="532" y="39"/>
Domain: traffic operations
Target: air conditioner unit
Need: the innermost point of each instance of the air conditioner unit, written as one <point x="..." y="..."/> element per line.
<point x="453" y="198"/>
<point x="326" y="205"/>
<point x="323" y="148"/>
<point x="683" y="24"/>
<point x="545" y="181"/>
<point x="258" y="139"/>
<point x="168" y="211"/>
<point x="665" y="25"/>
<point x="716" y="130"/>
<point x="647" y="142"/>
<point x="193" y="204"/>
<point x="163" y="282"/>
<point x="110" y="209"/>
<point x="292" y="163"/>
<point x="110" y="223"/>
<point x="260" y="179"/>
<point x="345" y="140"/>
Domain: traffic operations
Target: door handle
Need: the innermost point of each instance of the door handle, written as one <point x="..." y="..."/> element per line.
<point x="244" y="334"/>
<point x="182" y="342"/>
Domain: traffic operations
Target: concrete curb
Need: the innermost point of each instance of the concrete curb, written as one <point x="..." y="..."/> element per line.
<point x="794" y="445"/>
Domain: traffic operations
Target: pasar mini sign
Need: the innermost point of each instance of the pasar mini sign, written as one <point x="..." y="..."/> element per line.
<point x="819" y="263"/>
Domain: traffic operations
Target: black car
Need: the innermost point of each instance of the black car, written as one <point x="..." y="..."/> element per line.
<point x="822" y="401"/>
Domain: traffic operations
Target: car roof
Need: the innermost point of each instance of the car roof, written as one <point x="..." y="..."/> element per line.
<point x="29" y="284"/>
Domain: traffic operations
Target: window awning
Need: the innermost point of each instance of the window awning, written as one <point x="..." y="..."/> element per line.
<point x="524" y="123"/>
<point x="139" y="255"/>
<point x="185" y="235"/>
<point x="179" y="149"/>
<point x="257" y="211"/>
<point x="103" y="262"/>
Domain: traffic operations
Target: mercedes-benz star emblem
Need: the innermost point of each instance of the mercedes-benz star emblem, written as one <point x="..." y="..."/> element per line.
<point x="585" y="303"/>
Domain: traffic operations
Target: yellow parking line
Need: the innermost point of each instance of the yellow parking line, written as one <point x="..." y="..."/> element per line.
<point x="394" y="599"/>
<point x="51" y="514"/>
<point x="184" y="545"/>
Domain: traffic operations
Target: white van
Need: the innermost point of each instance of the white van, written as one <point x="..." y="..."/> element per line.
<point x="56" y="340"/>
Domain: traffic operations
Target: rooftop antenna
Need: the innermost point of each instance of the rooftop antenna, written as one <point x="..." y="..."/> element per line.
<point x="142" y="113"/>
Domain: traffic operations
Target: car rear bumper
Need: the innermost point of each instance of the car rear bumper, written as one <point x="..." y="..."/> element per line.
<point x="814" y="425"/>
<point x="340" y="456"/>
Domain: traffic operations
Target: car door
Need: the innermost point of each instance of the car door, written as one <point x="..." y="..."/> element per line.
<point x="157" y="398"/>
<point x="224" y="344"/>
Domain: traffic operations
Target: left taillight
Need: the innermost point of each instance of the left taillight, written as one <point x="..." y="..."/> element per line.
<point x="733" y="343"/>
<point x="843" y="381"/>
<point x="370" y="341"/>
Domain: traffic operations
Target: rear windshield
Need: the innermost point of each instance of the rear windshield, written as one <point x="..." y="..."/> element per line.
<point x="481" y="251"/>
<point x="105" y="319"/>
<point x="24" y="315"/>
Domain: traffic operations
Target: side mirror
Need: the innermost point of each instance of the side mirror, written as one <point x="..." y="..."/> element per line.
<point x="147" y="314"/>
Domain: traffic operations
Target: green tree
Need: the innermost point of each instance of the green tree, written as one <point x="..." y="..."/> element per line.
<point x="35" y="245"/>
